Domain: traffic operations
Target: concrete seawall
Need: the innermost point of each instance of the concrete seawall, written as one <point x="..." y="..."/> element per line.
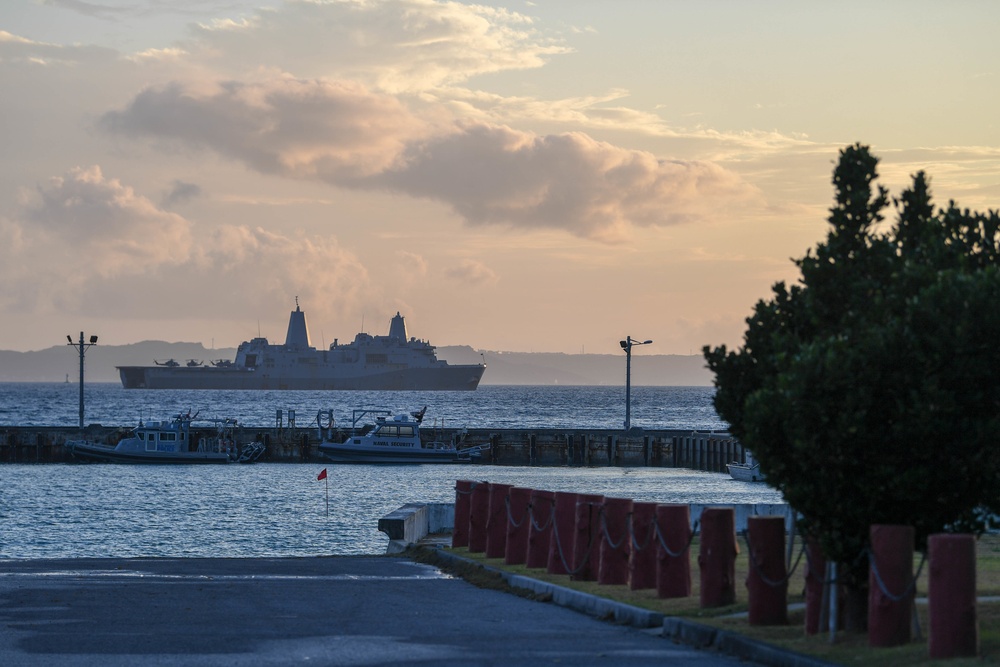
<point x="662" y="448"/>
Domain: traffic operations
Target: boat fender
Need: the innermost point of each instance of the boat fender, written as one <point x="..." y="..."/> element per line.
<point x="324" y="415"/>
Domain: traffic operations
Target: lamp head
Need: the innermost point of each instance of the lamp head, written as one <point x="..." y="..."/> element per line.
<point x="93" y="340"/>
<point x="69" y="338"/>
<point x="646" y="342"/>
<point x="623" y="343"/>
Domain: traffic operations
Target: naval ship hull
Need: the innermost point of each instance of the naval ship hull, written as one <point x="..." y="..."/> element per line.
<point x="451" y="378"/>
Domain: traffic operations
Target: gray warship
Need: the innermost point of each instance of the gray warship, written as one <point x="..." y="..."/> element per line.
<point x="391" y="362"/>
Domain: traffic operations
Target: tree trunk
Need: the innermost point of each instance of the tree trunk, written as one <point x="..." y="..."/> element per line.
<point x="856" y="609"/>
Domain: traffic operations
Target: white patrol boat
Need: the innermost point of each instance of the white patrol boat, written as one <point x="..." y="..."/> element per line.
<point x="170" y="441"/>
<point x="746" y="472"/>
<point x="395" y="439"/>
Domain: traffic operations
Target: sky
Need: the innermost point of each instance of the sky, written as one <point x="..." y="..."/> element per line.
<point x="518" y="176"/>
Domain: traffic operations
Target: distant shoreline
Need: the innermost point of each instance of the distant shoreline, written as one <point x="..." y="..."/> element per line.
<point x="542" y="369"/>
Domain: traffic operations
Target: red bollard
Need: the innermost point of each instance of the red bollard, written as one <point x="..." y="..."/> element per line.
<point x="951" y="593"/>
<point x="717" y="557"/>
<point x="767" y="583"/>
<point x="815" y="576"/>
<point x="642" y="555"/>
<point x="540" y="531"/>
<point x="615" y="541"/>
<point x="479" y="511"/>
<point x="518" y="523"/>
<point x="673" y="553"/>
<point x="496" y="524"/>
<point x="463" y="497"/>
<point x="561" y="543"/>
<point x="587" y="537"/>
<point x="890" y="578"/>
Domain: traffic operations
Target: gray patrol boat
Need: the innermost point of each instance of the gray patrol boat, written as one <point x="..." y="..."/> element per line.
<point x="391" y="362"/>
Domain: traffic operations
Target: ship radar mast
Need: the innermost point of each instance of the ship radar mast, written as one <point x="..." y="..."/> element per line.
<point x="298" y="333"/>
<point x="397" y="328"/>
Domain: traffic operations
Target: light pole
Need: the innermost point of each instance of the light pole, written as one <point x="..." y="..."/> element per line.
<point x="627" y="346"/>
<point x="82" y="347"/>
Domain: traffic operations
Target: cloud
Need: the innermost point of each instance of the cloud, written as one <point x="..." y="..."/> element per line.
<point x="411" y="264"/>
<point x="16" y="49"/>
<point x="114" y="230"/>
<point x="495" y="175"/>
<point x="295" y="128"/>
<point x="472" y="272"/>
<point x="348" y="136"/>
<point x="180" y="192"/>
<point x="92" y="9"/>
<point x="396" y="46"/>
<point x="84" y="242"/>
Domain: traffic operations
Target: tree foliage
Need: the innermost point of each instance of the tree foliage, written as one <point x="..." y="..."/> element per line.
<point x="870" y="390"/>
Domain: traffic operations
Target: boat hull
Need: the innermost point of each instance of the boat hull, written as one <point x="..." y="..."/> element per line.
<point x="745" y="473"/>
<point x="91" y="451"/>
<point x="450" y="378"/>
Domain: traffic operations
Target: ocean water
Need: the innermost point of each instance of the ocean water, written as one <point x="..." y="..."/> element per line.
<point x="242" y="511"/>
<point x="271" y="509"/>
<point x="57" y="404"/>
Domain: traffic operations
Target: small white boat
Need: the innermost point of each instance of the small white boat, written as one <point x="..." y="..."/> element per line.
<point x="746" y="472"/>
<point x="395" y="439"/>
<point x="170" y="441"/>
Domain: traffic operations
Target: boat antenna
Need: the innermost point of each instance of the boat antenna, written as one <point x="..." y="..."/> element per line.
<point x="362" y="322"/>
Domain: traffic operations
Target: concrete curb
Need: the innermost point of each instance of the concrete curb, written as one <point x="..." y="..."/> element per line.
<point x="676" y="629"/>
<point x="736" y="645"/>
<point x="566" y="597"/>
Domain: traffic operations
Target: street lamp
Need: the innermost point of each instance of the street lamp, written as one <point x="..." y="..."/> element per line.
<point x="83" y="348"/>
<point x="627" y="346"/>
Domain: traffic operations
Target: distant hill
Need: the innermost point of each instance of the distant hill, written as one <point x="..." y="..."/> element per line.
<point x="57" y="363"/>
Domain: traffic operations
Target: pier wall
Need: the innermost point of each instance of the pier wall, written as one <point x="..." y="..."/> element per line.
<point x="514" y="447"/>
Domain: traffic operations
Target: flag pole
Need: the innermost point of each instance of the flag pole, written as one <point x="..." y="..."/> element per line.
<point x="322" y="475"/>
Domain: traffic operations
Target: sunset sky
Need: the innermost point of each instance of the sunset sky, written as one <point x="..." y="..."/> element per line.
<point x="524" y="176"/>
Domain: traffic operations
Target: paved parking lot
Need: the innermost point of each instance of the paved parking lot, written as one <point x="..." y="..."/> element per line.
<point x="322" y="611"/>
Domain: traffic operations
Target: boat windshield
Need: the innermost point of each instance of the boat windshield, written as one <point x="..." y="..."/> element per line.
<point x="394" y="431"/>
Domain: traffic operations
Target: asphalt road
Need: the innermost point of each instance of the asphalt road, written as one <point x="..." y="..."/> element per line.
<point x="343" y="611"/>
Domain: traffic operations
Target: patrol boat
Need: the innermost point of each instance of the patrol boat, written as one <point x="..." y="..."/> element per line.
<point x="395" y="439"/>
<point x="392" y="362"/>
<point x="171" y="441"/>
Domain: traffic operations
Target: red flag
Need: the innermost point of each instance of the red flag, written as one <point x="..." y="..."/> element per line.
<point x="321" y="475"/>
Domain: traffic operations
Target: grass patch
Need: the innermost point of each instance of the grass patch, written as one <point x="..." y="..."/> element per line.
<point x="847" y="649"/>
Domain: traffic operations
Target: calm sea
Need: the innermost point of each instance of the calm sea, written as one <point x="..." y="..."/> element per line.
<point x="66" y="510"/>
<point x="58" y="404"/>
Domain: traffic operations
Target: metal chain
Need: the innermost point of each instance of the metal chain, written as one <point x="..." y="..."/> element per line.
<point x="548" y="522"/>
<point x="604" y="529"/>
<point x="650" y="532"/>
<point x="660" y="539"/>
<point x="465" y="493"/>
<point x="562" y="556"/>
<point x="812" y="565"/>
<point x="773" y="583"/>
<point x="510" y="517"/>
<point x="881" y="584"/>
